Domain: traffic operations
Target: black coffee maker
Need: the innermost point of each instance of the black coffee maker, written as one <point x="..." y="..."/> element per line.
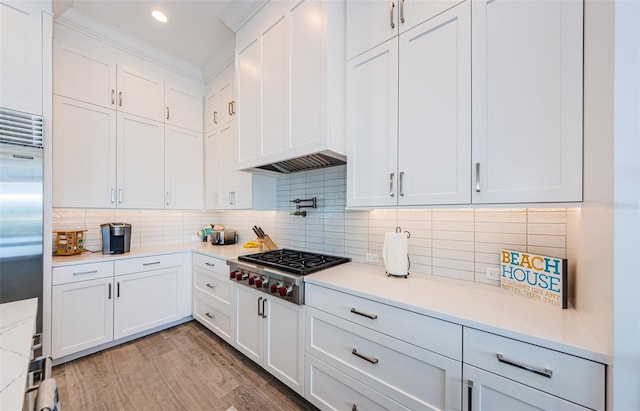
<point x="116" y="238"/>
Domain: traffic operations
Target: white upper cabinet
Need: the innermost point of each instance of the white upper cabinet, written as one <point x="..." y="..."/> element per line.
<point x="220" y="105"/>
<point x="372" y="126"/>
<point x="434" y="132"/>
<point x="140" y="162"/>
<point x="183" y="168"/>
<point x="527" y="101"/>
<point x="408" y="127"/>
<point x="25" y="31"/>
<point x="84" y="154"/>
<point x="141" y="94"/>
<point x="183" y="107"/>
<point x="290" y="82"/>
<point x="83" y="76"/>
<point x="370" y="23"/>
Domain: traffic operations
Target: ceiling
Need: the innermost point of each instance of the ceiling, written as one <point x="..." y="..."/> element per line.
<point x="194" y="31"/>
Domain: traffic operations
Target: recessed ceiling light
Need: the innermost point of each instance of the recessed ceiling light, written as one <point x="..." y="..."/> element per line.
<point x="160" y="16"/>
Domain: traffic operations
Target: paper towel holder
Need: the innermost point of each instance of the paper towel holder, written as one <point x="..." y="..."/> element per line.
<point x="399" y="230"/>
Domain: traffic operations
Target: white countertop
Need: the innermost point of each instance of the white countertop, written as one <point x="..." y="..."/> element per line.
<point x="481" y="306"/>
<point x="17" y="325"/>
<point x="225" y="252"/>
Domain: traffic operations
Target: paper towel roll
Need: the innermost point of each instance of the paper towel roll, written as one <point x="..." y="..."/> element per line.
<point x="394" y="252"/>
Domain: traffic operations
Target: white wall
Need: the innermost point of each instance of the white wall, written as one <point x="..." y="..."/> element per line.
<point x="626" y="292"/>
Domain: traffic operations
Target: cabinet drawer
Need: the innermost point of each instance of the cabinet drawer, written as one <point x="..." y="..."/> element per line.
<point x="327" y="388"/>
<point x="412" y="376"/>
<point x="573" y="378"/>
<point x="212" y="285"/>
<point x="218" y="321"/>
<point x="81" y="272"/>
<point x="211" y="263"/>
<point x="155" y="262"/>
<point x="405" y="325"/>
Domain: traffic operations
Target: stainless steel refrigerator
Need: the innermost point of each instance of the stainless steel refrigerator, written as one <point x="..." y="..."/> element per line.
<point x="21" y="206"/>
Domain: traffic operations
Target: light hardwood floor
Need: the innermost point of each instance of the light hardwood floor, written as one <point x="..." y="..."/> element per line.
<point x="183" y="368"/>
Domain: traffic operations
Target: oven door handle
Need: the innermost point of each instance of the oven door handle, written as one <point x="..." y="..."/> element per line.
<point x="264" y="312"/>
<point x="259" y="313"/>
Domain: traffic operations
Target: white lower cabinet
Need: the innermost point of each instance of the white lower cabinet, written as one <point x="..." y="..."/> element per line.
<point x="98" y="303"/>
<point x="488" y="391"/>
<point x="271" y="332"/>
<point x="212" y="295"/>
<point x="375" y="345"/>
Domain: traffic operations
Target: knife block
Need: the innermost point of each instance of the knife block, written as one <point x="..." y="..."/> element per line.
<point x="268" y="242"/>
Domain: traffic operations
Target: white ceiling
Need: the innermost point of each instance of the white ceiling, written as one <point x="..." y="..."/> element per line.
<point x="194" y="31"/>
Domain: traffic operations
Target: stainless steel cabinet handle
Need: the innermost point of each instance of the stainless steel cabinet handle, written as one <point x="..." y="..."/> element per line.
<point x="391" y="175"/>
<point x="210" y="286"/>
<point x="120" y="99"/>
<point x="402" y="11"/>
<point x="210" y="316"/>
<point x="401" y="177"/>
<point x="167" y="112"/>
<point x="210" y="264"/>
<point x="259" y="301"/>
<point x="153" y="263"/>
<point x="545" y="372"/>
<point x="85" y="272"/>
<point x="469" y="395"/>
<point x="167" y="198"/>
<point x="118" y="289"/>
<point x="120" y="195"/>
<point x="229" y="108"/>
<point x="215" y="117"/>
<point x="354" y="407"/>
<point x="109" y="291"/>
<point x="371" y="316"/>
<point x="233" y="107"/>
<point x="372" y="360"/>
<point x="264" y="312"/>
<point x="113" y="196"/>
<point x="113" y="96"/>
<point x="477" y="177"/>
<point x="391" y="7"/>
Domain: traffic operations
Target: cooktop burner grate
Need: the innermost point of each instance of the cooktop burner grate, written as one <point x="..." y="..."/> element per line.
<point x="296" y="262"/>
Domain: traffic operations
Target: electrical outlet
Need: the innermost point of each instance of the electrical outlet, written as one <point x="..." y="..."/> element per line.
<point x="372" y="257"/>
<point x="493" y="273"/>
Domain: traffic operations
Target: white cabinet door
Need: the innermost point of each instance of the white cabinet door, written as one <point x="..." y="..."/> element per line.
<point x="226" y="104"/>
<point x="141" y="94"/>
<point x="249" y="323"/>
<point x="227" y="165"/>
<point x="183" y="108"/>
<point x="211" y="171"/>
<point x="82" y="315"/>
<point x="370" y="23"/>
<point x="414" y="12"/>
<point x="249" y="102"/>
<point x="140" y="162"/>
<point x="211" y="110"/>
<point x="372" y="127"/>
<point x="275" y="86"/>
<point x="527" y="101"/>
<point x="284" y="342"/>
<point x="21" y="45"/>
<point x="487" y="391"/>
<point x="147" y="299"/>
<point x="183" y="169"/>
<point x="84" y="154"/>
<point x="434" y="150"/>
<point x="83" y="76"/>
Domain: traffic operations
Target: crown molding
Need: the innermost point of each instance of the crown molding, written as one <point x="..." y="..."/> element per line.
<point x="85" y="24"/>
<point x="237" y="13"/>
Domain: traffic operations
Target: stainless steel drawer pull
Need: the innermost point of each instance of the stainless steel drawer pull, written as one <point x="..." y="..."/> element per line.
<point x="210" y="286"/>
<point x="372" y="360"/>
<point x="210" y="316"/>
<point x="469" y="395"/>
<point x="545" y="372"/>
<point x="86" y="272"/>
<point x="167" y="112"/>
<point x="477" y="177"/>
<point x="215" y="117"/>
<point x="113" y="96"/>
<point x="371" y="316"/>
<point x="153" y="263"/>
<point x="109" y="291"/>
<point x="401" y="11"/>
<point x="391" y="184"/>
<point x="210" y="264"/>
<point x="400" y="188"/>
<point x="120" y="99"/>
